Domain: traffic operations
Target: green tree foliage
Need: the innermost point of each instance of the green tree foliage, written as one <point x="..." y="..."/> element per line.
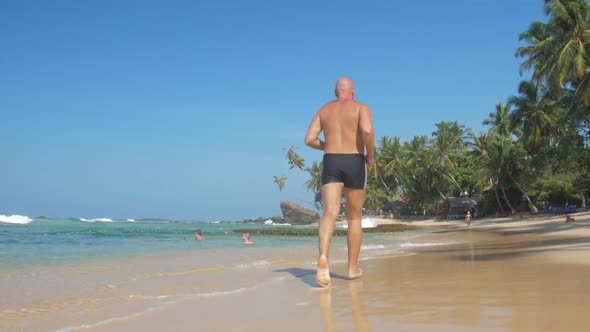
<point x="533" y="114"/>
<point x="280" y="181"/>
<point x="314" y="183"/>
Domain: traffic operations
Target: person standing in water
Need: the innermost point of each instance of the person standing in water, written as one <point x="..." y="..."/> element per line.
<point x="348" y="130"/>
<point x="247" y="239"/>
<point x="198" y="235"/>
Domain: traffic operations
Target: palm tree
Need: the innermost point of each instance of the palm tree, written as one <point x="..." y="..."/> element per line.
<point x="422" y="182"/>
<point x="501" y="121"/>
<point x="315" y="181"/>
<point x="447" y="144"/>
<point x="557" y="50"/>
<point x="280" y="181"/>
<point x="533" y="112"/>
<point x="295" y="161"/>
<point x="499" y="166"/>
<point x="389" y="164"/>
<point x="415" y="151"/>
<point x="479" y="145"/>
<point x="480" y="149"/>
<point x="499" y="150"/>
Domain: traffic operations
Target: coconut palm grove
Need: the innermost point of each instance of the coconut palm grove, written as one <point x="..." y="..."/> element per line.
<point x="535" y="155"/>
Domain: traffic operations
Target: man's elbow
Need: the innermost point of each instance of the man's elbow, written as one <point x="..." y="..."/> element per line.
<point x="368" y="131"/>
<point x="308" y="141"/>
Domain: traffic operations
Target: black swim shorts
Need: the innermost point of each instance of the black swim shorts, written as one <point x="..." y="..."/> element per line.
<point x="349" y="169"/>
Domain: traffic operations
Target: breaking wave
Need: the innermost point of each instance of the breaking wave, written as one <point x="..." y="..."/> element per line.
<point x="97" y="220"/>
<point x="15" y="219"/>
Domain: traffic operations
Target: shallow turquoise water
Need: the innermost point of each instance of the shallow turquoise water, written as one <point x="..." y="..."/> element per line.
<point x="47" y="241"/>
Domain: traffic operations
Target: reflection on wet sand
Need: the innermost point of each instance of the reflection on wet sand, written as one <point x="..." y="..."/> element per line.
<point x="359" y="310"/>
<point x="326" y="308"/>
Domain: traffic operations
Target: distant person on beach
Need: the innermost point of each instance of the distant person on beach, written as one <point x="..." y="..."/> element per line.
<point x="198" y="235"/>
<point x="348" y="131"/>
<point x="468" y="218"/>
<point x="246" y="237"/>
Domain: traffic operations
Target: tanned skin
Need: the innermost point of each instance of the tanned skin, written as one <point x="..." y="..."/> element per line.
<point x="348" y="129"/>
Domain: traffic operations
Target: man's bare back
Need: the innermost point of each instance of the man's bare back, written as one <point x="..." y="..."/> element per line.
<point x="339" y="119"/>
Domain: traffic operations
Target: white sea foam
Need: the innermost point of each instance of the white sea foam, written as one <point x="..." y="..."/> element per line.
<point x="365" y="223"/>
<point x="373" y="251"/>
<point x="268" y="222"/>
<point x="285" y="224"/>
<point x="130" y="220"/>
<point x="261" y="262"/>
<point x="372" y="247"/>
<point x="97" y="220"/>
<point x="149" y="297"/>
<point x="222" y="293"/>
<point x="15" y="219"/>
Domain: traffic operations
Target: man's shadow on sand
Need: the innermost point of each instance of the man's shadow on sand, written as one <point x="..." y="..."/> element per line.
<point x="307" y="276"/>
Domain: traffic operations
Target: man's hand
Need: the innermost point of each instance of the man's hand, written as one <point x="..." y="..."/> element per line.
<point x="370" y="161"/>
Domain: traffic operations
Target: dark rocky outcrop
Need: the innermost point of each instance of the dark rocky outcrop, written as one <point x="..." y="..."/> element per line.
<point x="297" y="215"/>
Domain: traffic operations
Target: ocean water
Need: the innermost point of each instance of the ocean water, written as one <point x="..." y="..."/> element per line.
<point x="28" y="242"/>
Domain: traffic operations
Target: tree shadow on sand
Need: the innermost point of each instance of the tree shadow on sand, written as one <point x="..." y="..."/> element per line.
<point x="509" y="250"/>
<point x="307" y="276"/>
<point x="519" y="230"/>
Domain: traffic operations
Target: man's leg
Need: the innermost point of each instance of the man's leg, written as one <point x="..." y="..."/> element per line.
<point x="331" y="199"/>
<point x="355" y="199"/>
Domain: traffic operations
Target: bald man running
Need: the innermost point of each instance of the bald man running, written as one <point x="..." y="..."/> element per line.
<point x="348" y="130"/>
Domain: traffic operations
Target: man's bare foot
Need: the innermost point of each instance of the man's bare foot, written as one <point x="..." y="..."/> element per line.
<point x="323" y="276"/>
<point x="355" y="273"/>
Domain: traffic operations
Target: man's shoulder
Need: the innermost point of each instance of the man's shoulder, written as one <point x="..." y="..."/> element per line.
<point x="327" y="106"/>
<point x="330" y="103"/>
<point x="362" y="104"/>
<point x="335" y="103"/>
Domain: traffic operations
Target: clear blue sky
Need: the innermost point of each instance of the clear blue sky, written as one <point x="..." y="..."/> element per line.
<point x="180" y="109"/>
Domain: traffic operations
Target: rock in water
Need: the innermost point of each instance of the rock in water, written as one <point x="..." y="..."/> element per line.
<point x="298" y="215"/>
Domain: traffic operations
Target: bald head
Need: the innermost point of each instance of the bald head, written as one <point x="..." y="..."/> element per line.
<point x="344" y="88"/>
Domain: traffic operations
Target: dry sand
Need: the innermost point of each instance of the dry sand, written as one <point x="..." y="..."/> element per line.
<point x="503" y="274"/>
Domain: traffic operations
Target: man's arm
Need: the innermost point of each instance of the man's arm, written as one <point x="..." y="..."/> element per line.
<point x="367" y="133"/>
<point x="312" y="138"/>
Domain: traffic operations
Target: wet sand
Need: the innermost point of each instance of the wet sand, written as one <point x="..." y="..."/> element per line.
<point x="499" y="275"/>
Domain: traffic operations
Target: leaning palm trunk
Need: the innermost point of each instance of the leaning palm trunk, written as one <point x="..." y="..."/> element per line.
<point x="441" y="195"/>
<point x="455" y="181"/>
<point x="387" y="190"/>
<point x="532" y="206"/>
<point x="583" y="199"/>
<point x="507" y="201"/>
<point x="498" y="199"/>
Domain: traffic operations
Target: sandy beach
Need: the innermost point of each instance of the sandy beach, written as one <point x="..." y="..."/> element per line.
<point x="501" y="274"/>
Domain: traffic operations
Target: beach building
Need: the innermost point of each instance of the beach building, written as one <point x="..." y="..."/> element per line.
<point x="458" y="207"/>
